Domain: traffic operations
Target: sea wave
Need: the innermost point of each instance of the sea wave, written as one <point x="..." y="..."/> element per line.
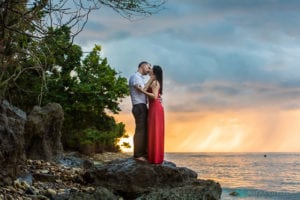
<point x="247" y="176"/>
<point x="249" y="193"/>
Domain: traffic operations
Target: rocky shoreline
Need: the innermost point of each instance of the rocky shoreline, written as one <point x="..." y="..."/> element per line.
<point x="33" y="166"/>
<point x="106" y="176"/>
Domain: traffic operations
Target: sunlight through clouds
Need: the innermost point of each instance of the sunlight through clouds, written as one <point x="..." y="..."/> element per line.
<point x="231" y="80"/>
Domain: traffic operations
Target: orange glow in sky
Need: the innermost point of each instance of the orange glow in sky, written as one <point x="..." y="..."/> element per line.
<point x="227" y="131"/>
<point x="231" y="76"/>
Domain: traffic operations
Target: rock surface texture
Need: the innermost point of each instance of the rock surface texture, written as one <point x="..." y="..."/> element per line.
<point x="35" y="136"/>
<point x="12" y="121"/>
<point x="71" y="179"/>
<point x="135" y="180"/>
<point x="34" y="166"/>
<point x="43" y="132"/>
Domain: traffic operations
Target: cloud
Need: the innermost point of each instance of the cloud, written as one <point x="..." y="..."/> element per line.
<point x="231" y="80"/>
<point x="215" y="55"/>
<point x="225" y="96"/>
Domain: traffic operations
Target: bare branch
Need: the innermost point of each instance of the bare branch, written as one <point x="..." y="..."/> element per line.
<point x="27" y="21"/>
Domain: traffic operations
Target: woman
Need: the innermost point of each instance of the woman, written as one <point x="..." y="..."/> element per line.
<point x="153" y="90"/>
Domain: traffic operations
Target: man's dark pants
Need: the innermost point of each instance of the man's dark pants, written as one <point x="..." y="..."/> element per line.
<point x="140" y="113"/>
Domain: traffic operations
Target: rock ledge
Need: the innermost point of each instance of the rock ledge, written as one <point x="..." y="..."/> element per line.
<point x="135" y="180"/>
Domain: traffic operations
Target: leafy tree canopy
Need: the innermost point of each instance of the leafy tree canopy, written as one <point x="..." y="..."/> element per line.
<point x="25" y="23"/>
<point x="39" y="64"/>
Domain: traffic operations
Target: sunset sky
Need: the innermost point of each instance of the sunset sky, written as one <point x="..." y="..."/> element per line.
<point x="231" y="70"/>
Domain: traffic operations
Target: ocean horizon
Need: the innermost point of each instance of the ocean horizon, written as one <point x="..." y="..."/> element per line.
<point x="246" y="175"/>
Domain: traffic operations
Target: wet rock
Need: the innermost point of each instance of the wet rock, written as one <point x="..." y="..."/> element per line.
<point x="44" y="177"/>
<point x="234" y="193"/>
<point x="129" y="175"/>
<point x="100" y="193"/>
<point x="207" y="191"/>
<point x="12" y="121"/>
<point x="131" y="179"/>
<point x="43" y="132"/>
<point x="117" y="180"/>
<point x="74" y="161"/>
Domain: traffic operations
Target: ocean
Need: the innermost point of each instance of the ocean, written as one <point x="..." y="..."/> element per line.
<point x="249" y="176"/>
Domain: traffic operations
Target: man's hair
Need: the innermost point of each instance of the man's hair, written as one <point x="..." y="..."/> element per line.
<point x="142" y="63"/>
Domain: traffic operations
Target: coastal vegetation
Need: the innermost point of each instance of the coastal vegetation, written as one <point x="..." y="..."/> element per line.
<point x="40" y="63"/>
<point x="55" y="97"/>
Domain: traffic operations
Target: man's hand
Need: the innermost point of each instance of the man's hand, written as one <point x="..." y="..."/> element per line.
<point x="139" y="88"/>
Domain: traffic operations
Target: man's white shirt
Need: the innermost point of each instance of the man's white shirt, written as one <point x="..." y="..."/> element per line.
<point x="137" y="97"/>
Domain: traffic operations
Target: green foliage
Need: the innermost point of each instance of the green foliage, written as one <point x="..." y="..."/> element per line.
<point x="101" y="138"/>
<point x="25" y="33"/>
<point x="41" y="76"/>
<point x="100" y="83"/>
<point x="101" y="132"/>
<point x="86" y="89"/>
<point x="14" y="46"/>
<point x="40" y="64"/>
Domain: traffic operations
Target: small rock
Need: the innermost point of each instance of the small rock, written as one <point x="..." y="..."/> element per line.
<point x="39" y="197"/>
<point x="61" y="190"/>
<point x="11" y="189"/>
<point x="51" y="193"/>
<point x="30" y="191"/>
<point x="44" y="177"/>
<point x="44" y="171"/>
<point x="7" y="180"/>
<point x="25" y="185"/>
<point x="234" y="193"/>
<point x="9" y="197"/>
<point x="29" y="161"/>
<point x="58" y="181"/>
<point x="38" y="162"/>
<point x="88" y="189"/>
<point x="17" y="183"/>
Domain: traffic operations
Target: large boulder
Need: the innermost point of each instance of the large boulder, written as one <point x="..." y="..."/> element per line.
<point x="12" y="121"/>
<point x="132" y="179"/>
<point x="43" y="132"/>
<point x="199" y="189"/>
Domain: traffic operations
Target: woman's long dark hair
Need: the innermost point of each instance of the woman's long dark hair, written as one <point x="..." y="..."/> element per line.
<point x="157" y="71"/>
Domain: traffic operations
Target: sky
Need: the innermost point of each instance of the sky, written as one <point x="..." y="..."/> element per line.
<point x="231" y="70"/>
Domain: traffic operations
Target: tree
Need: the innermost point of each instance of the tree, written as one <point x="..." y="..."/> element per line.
<point x="24" y="23"/>
<point x="15" y="43"/>
<point x="96" y="89"/>
<point x="86" y="90"/>
<point x="38" y="57"/>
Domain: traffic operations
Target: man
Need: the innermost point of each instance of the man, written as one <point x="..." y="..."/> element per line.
<point x="139" y="111"/>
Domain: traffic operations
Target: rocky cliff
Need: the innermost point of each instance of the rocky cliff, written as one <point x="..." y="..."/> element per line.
<point x="35" y="136"/>
<point x="12" y="155"/>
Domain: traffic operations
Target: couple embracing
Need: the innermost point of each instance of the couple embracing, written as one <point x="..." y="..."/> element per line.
<point x="148" y="113"/>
